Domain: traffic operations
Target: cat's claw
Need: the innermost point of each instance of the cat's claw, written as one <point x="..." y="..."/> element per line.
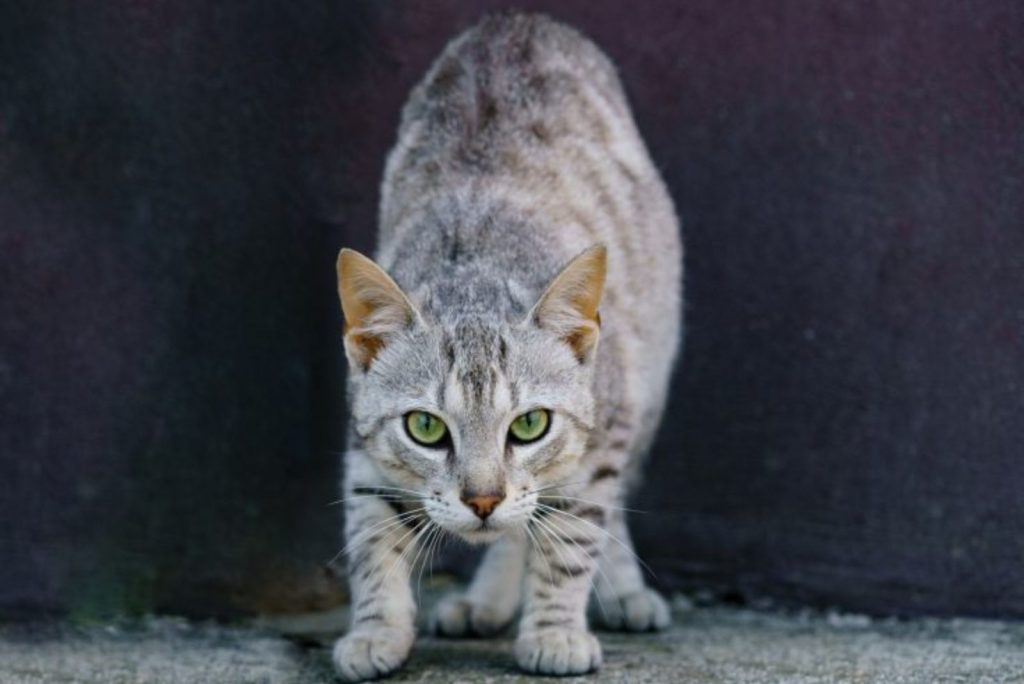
<point x="457" y="616"/>
<point x="370" y="653"/>
<point x="558" y="651"/>
<point x="641" y="611"/>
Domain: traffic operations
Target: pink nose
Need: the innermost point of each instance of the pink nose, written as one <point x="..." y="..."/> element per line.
<point x="483" y="504"/>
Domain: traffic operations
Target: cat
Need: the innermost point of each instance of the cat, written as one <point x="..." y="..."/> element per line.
<point x="509" y="357"/>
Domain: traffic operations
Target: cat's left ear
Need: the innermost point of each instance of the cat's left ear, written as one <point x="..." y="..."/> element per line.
<point x="569" y="306"/>
<point x="375" y="308"/>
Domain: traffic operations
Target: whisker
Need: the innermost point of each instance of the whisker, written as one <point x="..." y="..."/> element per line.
<point x="359" y="537"/>
<point x="405" y="516"/>
<point x="542" y="537"/>
<point x="421" y="547"/>
<point x="552" y="539"/>
<point x="421" y="542"/>
<point x="382" y="497"/>
<point x="549" y="487"/>
<point x="593" y="503"/>
<point x="442" y="541"/>
<point x="378" y="527"/>
<point x="380" y="561"/>
<point x="393" y="489"/>
<point x="540" y="549"/>
<point x="411" y="494"/>
<point x="414" y="544"/>
<point x="564" y="534"/>
<point x="428" y="558"/>
<point x="611" y="536"/>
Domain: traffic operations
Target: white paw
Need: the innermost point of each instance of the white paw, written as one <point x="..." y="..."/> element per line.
<point x="457" y="616"/>
<point x="371" y="652"/>
<point x="642" y="611"/>
<point x="558" y="651"/>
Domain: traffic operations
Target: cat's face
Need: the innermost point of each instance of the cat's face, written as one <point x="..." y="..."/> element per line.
<point x="476" y="416"/>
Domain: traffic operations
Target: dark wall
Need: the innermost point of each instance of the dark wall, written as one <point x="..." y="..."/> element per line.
<point x="175" y="180"/>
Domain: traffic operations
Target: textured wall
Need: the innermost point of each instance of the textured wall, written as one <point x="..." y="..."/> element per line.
<point x="175" y="179"/>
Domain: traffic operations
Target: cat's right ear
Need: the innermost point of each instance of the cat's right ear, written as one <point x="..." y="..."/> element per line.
<point x="569" y="306"/>
<point x="375" y="308"/>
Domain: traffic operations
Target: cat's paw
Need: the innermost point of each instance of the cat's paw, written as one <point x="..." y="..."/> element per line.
<point x="369" y="653"/>
<point x="558" y="651"/>
<point x="641" y="611"/>
<point x="457" y="616"/>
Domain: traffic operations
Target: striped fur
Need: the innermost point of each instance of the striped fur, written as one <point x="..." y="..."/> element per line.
<point x="516" y="154"/>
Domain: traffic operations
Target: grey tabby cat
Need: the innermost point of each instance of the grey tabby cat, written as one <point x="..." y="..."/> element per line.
<point x="518" y="198"/>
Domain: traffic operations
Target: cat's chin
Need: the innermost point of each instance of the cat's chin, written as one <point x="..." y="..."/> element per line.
<point x="486" y="535"/>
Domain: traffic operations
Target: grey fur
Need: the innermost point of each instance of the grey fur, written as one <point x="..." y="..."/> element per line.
<point x="516" y="153"/>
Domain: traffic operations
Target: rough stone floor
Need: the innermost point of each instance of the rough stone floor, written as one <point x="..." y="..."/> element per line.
<point x="706" y="645"/>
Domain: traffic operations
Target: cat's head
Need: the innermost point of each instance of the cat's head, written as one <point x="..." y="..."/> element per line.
<point x="476" y="414"/>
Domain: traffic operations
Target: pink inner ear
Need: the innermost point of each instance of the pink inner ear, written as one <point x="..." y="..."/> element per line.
<point x="368" y="345"/>
<point x="569" y="307"/>
<point x="583" y="339"/>
<point x="373" y="305"/>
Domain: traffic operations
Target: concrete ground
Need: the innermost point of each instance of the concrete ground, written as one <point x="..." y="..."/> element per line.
<point x="706" y="645"/>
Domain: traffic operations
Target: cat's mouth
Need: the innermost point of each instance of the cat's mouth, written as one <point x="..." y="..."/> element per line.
<point x="484" y="533"/>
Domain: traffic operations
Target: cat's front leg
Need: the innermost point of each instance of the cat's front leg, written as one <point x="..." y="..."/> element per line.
<point x="381" y="540"/>
<point x="493" y="598"/>
<point x="553" y="634"/>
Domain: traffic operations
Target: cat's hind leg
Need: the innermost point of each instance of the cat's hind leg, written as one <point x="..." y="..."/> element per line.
<point x="492" y="599"/>
<point x="623" y="602"/>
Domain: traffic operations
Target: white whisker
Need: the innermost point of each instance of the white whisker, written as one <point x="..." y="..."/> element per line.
<point x="564" y="534"/>
<point x="611" y="536"/>
<point x="428" y="558"/>
<point x="412" y="494"/>
<point x="549" y="487"/>
<point x="540" y="549"/>
<point x="378" y="527"/>
<point x="378" y="566"/>
<point x="593" y="503"/>
<point x="421" y="548"/>
<point x="424" y="528"/>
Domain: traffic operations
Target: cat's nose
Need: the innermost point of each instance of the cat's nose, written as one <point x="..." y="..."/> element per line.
<point x="483" y="504"/>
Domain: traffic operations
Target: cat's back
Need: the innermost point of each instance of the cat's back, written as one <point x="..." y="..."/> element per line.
<point x="518" y="98"/>
<point x="522" y="123"/>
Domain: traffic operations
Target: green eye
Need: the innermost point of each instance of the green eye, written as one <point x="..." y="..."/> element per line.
<point x="425" y="428"/>
<point x="530" y="426"/>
